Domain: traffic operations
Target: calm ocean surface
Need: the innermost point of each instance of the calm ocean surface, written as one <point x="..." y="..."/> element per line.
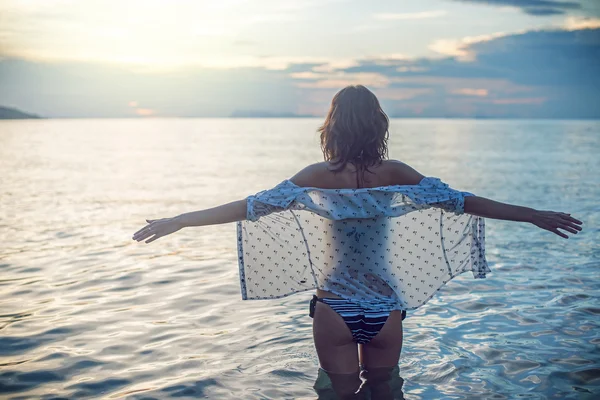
<point x="85" y="312"/>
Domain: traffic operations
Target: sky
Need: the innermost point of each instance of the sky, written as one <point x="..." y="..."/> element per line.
<point x="196" y="58"/>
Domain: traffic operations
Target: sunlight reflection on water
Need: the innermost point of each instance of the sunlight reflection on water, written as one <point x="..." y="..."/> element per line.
<point x="86" y="312"/>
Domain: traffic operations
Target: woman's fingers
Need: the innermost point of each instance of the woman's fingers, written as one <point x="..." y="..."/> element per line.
<point x="567" y="226"/>
<point x="141" y="232"/>
<point x="146" y="236"/>
<point x="571" y="219"/>
<point x="156" y="229"/>
<point x="562" y="222"/>
<point x="145" y="230"/>
<point x="568" y="229"/>
<point x="152" y="239"/>
<point x="559" y="233"/>
<point x="141" y="236"/>
<point x="553" y="221"/>
<point x="576" y="227"/>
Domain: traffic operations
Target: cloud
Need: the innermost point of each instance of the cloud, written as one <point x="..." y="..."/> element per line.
<point x="533" y="7"/>
<point x="556" y="58"/>
<point x="462" y="48"/>
<point x="340" y="79"/>
<point x="471" y="92"/>
<point x="549" y="73"/>
<point x="144" y="112"/>
<point x="525" y="100"/>
<point x="536" y="74"/>
<point x="405" y="16"/>
<point x="402" y="93"/>
<point x="141" y="111"/>
<point x="577" y="23"/>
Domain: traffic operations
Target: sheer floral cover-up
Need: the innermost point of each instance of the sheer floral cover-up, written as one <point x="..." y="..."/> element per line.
<point x="392" y="245"/>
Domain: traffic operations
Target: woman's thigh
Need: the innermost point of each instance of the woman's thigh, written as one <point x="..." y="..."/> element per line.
<point x="384" y="349"/>
<point x="337" y="351"/>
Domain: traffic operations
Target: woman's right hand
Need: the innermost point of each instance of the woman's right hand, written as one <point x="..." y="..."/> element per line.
<point x="553" y="221"/>
<point x="158" y="228"/>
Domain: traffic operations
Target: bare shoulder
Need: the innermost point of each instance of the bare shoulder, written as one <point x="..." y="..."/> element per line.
<point x="312" y="175"/>
<point x="390" y="172"/>
<point x="402" y="174"/>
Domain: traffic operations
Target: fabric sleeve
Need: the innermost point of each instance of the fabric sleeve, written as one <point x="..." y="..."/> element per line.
<point x="269" y="201"/>
<point x="257" y="209"/>
<point x="441" y="195"/>
<point x="456" y="204"/>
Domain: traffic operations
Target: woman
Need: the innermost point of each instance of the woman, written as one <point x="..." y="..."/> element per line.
<point x="373" y="236"/>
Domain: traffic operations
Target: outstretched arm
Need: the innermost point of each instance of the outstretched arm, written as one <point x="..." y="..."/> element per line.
<point x="230" y="212"/>
<point x="549" y="220"/>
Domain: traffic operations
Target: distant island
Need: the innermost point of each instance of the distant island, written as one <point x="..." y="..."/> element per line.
<point x="13" y="113"/>
<point x="266" y="114"/>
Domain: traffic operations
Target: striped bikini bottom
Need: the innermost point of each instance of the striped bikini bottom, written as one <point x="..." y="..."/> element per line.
<point x="364" y="323"/>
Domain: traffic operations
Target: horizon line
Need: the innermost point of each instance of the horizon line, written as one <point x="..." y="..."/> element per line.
<point x="306" y="117"/>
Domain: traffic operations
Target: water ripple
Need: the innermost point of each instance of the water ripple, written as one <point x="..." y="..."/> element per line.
<point x="86" y="313"/>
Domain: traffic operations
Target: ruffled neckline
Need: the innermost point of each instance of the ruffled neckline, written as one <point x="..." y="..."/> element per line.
<point x="427" y="181"/>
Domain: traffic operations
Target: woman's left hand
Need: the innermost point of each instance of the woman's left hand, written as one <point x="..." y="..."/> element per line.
<point x="158" y="228"/>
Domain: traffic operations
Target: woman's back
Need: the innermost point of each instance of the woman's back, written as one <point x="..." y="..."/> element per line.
<point x="386" y="173"/>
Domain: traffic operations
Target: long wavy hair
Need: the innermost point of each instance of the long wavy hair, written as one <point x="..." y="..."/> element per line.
<point x="355" y="130"/>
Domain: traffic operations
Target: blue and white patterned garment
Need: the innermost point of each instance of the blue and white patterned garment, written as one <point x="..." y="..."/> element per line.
<point x="389" y="246"/>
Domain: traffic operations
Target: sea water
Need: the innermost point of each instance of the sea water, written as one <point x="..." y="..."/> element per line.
<point x="85" y="312"/>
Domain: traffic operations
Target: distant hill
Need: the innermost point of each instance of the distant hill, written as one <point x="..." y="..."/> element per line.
<point x="266" y="114"/>
<point x="12" y="113"/>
